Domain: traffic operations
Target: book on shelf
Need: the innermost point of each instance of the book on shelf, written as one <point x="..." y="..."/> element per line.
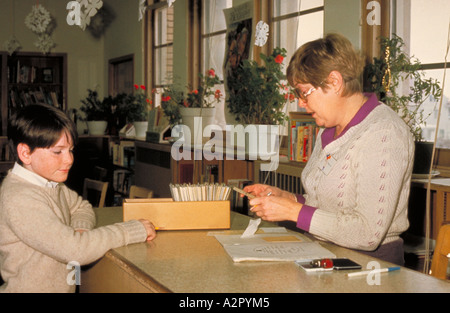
<point x="302" y="136"/>
<point x="123" y="153"/>
<point x="37" y="95"/>
<point x="28" y="74"/>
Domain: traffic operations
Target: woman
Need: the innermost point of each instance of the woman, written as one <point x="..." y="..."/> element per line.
<point x="357" y="180"/>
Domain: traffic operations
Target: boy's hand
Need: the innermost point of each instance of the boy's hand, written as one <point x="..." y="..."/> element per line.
<point x="150" y="228"/>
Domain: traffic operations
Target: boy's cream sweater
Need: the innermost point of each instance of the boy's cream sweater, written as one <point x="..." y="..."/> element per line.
<point x="38" y="236"/>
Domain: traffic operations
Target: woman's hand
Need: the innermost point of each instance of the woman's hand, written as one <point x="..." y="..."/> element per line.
<point x="150" y="228"/>
<point x="260" y="190"/>
<point x="276" y="209"/>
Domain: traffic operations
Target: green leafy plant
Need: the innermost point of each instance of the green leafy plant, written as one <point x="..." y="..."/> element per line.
<point x="256" y="92"/>
<point x="95" y="109"/>
<point x="173" y="97"/>
<point x="171" y="100"/>
<point x="384" y="76"/>
<point x="135" y="107"/>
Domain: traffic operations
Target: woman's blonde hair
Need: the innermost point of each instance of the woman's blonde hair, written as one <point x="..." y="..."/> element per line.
<point x="315" y="60"/>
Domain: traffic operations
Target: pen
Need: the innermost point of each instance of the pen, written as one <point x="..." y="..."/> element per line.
<point x="381" y="270"/>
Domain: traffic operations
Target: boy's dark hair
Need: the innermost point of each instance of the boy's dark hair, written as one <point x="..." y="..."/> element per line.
<point x="40" y="126"/>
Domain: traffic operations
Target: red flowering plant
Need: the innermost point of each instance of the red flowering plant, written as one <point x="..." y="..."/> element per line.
<point x="257" y="93"/>
<point x="205" y="95"/>
<point x="172" y="98"/>
<point x="137" y="105"/>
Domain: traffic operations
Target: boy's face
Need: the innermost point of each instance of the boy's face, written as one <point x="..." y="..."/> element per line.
<point x="55" y="162"/>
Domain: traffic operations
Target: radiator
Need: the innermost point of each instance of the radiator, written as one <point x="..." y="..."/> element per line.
<point x="286" y="177"/>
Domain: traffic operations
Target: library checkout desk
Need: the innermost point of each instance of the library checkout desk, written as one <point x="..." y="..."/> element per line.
<point x="195" y="262"/>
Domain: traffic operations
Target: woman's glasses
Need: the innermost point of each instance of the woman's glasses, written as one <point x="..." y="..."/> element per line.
<point x="303" y="96"/>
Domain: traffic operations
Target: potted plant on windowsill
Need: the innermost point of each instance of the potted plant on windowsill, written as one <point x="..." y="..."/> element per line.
<point x="384" y="76"/>
<point x="96" y="113"/>
<point x="197" y="103"/>
<point x="135" y="108"/>
<point x="257" y="94"/>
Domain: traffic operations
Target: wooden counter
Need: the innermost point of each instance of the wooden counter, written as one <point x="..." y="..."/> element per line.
<point x="195" y="262"/>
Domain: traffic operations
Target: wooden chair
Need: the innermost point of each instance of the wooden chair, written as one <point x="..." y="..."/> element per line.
<point x="98" y="189"/>
<point x="441" y="255"/>
<point x="140" y="192"/>
<point x="100" y="173"/>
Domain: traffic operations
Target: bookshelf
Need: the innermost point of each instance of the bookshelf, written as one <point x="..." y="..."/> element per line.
<point x="30" y="77"/>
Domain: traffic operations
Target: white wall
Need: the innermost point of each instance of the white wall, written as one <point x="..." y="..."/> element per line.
<point x="85" y="54"/>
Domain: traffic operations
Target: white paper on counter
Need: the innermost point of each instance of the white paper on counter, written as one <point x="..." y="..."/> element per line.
<point x="251" y="228"/>
<point x="272" y="247"/>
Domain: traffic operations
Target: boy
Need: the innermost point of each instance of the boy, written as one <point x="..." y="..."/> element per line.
<point x="43" y="224"/>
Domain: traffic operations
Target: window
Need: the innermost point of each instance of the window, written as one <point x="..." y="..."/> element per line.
<point x="213" y="45"/>
<point x="424" y="30"/>
<point x="213" y="34"/>
<point x="163" y="46"/>
<point x="295" y="23"/>
<point x="160" y="46"/>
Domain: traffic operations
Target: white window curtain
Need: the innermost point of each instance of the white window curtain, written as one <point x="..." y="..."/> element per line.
<point x="213" y="46"/>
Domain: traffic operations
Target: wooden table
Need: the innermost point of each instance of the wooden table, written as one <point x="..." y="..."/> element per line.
<point x="195" y="262"/>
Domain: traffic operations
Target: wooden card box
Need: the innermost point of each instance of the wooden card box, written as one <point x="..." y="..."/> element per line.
<point x="167" y="214"/>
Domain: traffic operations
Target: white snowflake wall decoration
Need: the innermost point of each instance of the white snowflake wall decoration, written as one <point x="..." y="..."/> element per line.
<point x="38" y="19"/>
<point x="45" y="43"/>
<point x="261" y="34"/>
<point x="142" y="8"/>
<point x="12" y="45"/>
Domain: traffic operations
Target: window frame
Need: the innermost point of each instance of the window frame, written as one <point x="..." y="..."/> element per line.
<point x="204" y="36"/>
<point x="271" y="44"/>
<point x="150" y="46"/>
